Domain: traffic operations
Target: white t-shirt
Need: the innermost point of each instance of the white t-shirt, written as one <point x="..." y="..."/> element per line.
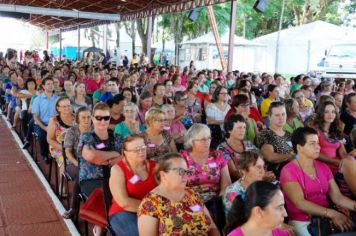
<point x="214" y="112"/>
<point x="23" y="100"/>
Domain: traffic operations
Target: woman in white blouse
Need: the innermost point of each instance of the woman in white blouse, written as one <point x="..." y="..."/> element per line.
<point x="215" y="115"/>
<point x="218" y="108"/>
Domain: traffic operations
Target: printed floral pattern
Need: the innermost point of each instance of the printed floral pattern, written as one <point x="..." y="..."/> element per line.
<point x="182" y="218"/>
<point x="205" y="179"/>
<point x="231" y="192"/>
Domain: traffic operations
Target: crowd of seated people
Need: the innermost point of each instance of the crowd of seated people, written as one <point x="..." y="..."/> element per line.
<point x="181" y="151"/>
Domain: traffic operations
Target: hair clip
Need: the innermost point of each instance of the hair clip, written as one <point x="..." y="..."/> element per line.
<point x="243" y="197"/>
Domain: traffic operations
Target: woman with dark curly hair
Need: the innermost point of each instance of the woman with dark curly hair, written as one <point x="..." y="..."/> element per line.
<point x="327" y="122"/>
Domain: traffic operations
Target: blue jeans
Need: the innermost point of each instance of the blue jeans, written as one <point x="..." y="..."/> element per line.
<point x="42" y="138"/>
<point x="124" y="223"/>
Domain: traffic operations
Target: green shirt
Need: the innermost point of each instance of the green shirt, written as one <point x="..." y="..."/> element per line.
<point x="250" y="133"/>
<point x="296" y="124"/>
<point x="293" y="88"/>
<point x="124" y="131"/>
<point x="96" y="95"/>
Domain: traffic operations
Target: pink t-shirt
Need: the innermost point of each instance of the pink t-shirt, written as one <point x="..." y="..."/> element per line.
<point x="205" y="179"/>
<point x="275" y="232"/>
<point x="315" y="190"/>
<point x="177" y="127"/>
<point x="329" y="148"/>
<point x="184" y="79"/>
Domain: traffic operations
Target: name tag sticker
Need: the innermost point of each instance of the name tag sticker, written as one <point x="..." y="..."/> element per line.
<point x="100" y="146"/>
<point x="196" y="208"/>
<point x="151" y="145"/>
<point x="290" y="144"/>
<point x="134" y="179"/>
<point x="212" y="165"/>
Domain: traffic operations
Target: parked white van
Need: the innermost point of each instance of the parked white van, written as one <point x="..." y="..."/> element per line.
<point x="340" y="61"/>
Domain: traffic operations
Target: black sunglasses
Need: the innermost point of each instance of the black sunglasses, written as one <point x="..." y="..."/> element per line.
<point x="100" y="118"/>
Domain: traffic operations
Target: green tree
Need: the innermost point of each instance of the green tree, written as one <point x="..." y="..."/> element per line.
<point x="297" y="12"/>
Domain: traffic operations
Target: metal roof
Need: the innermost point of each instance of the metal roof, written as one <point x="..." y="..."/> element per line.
<point x="126" y="9"/>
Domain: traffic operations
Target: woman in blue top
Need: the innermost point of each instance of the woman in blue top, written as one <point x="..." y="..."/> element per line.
<point x="130" y="125"/>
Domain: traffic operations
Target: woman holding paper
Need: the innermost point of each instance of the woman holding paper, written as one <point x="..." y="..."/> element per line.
<point x="131" y="179"/>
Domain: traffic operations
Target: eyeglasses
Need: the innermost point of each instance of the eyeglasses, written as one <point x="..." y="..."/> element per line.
<point x="203" y="139"/>
<point x="183" y="99"/>
<point x="138" y="149"/>
<point x="161" y="120"/>
<point x="181" y="171"/>
<point x="129" y="112"/>
<point x="100" y="118"/>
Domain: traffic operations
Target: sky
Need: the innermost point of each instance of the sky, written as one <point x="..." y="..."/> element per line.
<point x="16" y="34"/>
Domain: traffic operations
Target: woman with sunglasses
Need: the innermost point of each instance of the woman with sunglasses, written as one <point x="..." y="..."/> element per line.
<point x="56" y="130"/>
<point x="171" y="208"/>
<point x="210" y="174"/>
<point x="157" y="139"/>
<point x="100" y="148"/>
<point x="308" y="185"/>
<point x="131" y="179"/>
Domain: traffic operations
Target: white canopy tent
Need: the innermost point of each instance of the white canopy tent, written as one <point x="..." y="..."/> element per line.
<point x="248" y="55"/>
<point x="301" y="48"/>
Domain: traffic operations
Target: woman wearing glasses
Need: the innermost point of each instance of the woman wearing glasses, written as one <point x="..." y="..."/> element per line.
<point x="210" y="174"/>
<point x="215" y="114"/>
<point x="99" y="148"/>
<point x="157" y="140"/>
<point x="131" y="179"/>
<point x="57" y="127"/>
<point x="130" y="125"/>
<point x="171" y="208"/>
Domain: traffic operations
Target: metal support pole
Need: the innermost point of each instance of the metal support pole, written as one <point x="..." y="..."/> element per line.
<point x="60" y="44"/>
<point x="47" y="40"/>
<point x="78" y="49"/>
<point x="231" y="35"/>
<point x="105" y="39"/>
<point x="149" y="38"/>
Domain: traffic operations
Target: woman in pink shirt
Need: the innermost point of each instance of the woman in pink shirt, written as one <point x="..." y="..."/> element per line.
<point x="306" y="182"/>
<point x="210" y="174"/>
<point x="327" y="122"/>
<point x="259" y="213"/>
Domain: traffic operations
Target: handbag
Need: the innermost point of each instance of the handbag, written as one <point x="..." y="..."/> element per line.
<point x="320" y="226"/>
<point x="93" y="210"/>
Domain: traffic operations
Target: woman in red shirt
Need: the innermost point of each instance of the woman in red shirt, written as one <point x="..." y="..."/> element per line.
<point x="131" y="179"/>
